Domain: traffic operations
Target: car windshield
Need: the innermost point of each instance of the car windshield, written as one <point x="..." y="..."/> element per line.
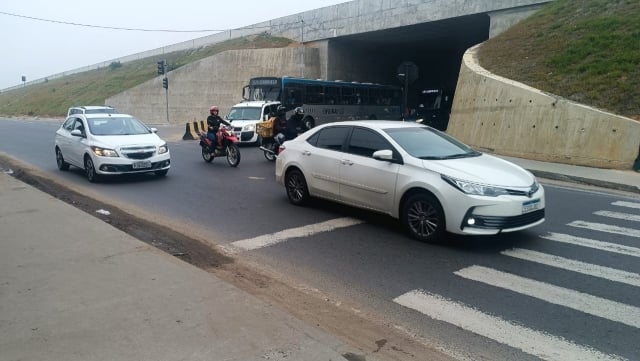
<point x="117" y="126"/>
<point x="244" y="113"/>
<point x="428" y="143"/>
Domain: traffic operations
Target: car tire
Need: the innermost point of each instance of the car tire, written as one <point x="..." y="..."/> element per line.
<point x="90" y="170"/>
<point x="296" y="186"/>
<point x="423" y="217"/>
<point x="62" y="164"/>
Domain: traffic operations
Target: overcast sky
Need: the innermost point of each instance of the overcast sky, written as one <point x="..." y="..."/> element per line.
<point x="39" y="48"/>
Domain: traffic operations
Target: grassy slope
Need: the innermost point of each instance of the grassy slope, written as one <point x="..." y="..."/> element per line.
<point x="53" y="98"/>
<point x="587" y="51"/>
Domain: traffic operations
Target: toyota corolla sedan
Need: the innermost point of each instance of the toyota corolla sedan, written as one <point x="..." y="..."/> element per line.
<point x="428" y="180"/>
<point x="110" y="144"/>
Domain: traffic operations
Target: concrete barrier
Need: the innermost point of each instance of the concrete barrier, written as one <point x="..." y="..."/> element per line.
<point x="505" y="117"/>
<point x="192" y="129"/>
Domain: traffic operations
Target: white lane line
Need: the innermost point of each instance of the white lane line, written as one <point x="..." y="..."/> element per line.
<point x="618" y="215"/>
<point x="308" y="230"/>
<point x="626" y="204"/>
<point x="607" y="273"/>
<point x="606" y="228"/>
<point x="592" y="243"/>
<point x="540" y="344"/>
<point x="597" y="306"/>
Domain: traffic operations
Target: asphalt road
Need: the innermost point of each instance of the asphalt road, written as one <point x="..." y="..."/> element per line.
<point x="566" y="289"/>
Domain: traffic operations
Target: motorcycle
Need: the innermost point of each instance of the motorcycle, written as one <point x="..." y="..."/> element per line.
<point x="268" y="143"/>
<point x="270" y="146"/>
<point x="227" y="146"/>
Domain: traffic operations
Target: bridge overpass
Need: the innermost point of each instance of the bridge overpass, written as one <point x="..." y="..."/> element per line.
<point x="361" y="40"/>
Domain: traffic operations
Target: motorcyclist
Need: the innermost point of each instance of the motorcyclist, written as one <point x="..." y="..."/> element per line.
<point x="213" y="124"/>
<point x="293" y="125"/>
<point x="279" y="123"/>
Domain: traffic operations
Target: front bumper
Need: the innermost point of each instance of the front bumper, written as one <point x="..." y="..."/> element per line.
<point x="121" y="165"/>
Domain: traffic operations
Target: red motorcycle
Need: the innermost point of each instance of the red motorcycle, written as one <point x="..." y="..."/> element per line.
<point x="227" y="146"/>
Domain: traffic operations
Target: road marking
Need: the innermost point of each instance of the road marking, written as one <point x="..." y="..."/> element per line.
<point x="606" y="228"/>
<point x="583" y="302"/>
<point x="626" y="204"/>
<point x="536" y="343"/>
<point x="305" y="231"/>
<point x="617" y="215"/>
<point x="607" y="273"/>
<point x="592" y="243"/>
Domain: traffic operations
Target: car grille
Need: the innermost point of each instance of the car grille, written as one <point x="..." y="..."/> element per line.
<point x="508" y="222"/>
<point x="142" y="152"/>
<point x="246" y="136"/>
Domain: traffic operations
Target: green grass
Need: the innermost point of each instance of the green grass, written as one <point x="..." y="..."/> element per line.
<point x="53" y="98"/>
<point x="587" y="51"/>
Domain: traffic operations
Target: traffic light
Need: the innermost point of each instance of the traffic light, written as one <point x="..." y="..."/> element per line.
<point x="161" y="67"/>
<point x="165" y="83"/>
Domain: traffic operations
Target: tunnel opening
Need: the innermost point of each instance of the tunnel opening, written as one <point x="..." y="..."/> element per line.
<point x="436" y="48"/>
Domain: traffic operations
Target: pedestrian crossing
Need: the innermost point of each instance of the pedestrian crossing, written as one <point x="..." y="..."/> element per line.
<point x="534" y="342"/>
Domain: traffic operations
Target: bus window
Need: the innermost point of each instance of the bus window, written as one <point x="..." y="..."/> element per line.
<point x="293" y="95"/>
<point x="332" y="94"/>
<point x="314" y="94"/>
<point x="347" y="96"/>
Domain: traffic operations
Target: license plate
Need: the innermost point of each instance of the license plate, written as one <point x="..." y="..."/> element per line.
<point x="530" y="206"/>
<point x="141" y="165"/>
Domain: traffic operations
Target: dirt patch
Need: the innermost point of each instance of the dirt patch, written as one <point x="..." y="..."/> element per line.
<point x="374" y="337"/>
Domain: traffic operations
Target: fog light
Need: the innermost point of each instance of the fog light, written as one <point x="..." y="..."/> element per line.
<point x="471" y="221"/>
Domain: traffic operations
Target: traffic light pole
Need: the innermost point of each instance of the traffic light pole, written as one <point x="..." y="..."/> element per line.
<point x="166" y="93"/>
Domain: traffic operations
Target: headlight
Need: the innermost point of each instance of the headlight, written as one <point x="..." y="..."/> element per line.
<point x="104" y="152"/>
<point x="163" y="149"/>
<point x="475" y="188"/>
<point x="249" y="127"/>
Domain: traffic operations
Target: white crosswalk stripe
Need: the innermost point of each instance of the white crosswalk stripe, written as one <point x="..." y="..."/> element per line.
<point x="618" y="215"/>
<point x="626" y="204"/>
<point x="542" y="345"/>
<point x="607" y="273"/>
<point x="606" y="228"/>
<point x="592" y="243"/>
<point x="597" y="306"/>
<point x="305" y="231"/>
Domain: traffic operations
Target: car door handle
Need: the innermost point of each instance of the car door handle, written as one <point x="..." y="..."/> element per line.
<point x="346" y="162"/>
<point x="306" y="152"/>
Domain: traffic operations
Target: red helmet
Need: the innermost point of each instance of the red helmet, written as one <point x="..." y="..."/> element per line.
<point x="214" y="109"/>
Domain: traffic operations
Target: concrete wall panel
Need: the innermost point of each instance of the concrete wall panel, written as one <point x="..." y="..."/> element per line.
<point x="217" y="80"/>
<point x="509" y="118"/>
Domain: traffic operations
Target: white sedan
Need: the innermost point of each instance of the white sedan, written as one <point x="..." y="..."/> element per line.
<point x="109" y="144"/>
<point x="430" y="181"/>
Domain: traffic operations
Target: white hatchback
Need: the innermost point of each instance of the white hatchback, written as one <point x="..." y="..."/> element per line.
<point x="430" y="181"/>
<point x="109" y="144"/>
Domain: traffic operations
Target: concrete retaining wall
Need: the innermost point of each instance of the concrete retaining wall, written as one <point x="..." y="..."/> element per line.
<point x="217" y="80"/>
<point x="509" y="118"/>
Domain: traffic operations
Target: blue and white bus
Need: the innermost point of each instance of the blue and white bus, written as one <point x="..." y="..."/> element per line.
<point x="326" y="101"/>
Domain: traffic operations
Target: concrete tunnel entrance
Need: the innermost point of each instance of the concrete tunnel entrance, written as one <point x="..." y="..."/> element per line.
<point x="435" y="47"/>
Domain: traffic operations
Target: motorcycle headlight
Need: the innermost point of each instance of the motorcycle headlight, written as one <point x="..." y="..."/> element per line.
<point x="475" y="188"/>
<point x="104" y="152"/>
<point x="163" y="149"/>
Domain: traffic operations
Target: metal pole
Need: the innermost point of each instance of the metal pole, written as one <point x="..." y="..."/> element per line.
<point x="406" y="88"/>
<point x="302" y="46"/>
<point x="166" y="91"/>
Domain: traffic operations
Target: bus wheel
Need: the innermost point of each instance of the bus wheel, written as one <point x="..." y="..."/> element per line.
<point x="308" y="123"/>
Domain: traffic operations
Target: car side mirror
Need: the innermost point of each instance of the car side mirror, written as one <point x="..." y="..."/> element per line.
<point x="384" y="154"/>
<point x="154" y="130"/>
<point x="76" y="133"/>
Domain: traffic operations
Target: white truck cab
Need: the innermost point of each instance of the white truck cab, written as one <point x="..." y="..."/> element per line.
<point x="245" y="115"/>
